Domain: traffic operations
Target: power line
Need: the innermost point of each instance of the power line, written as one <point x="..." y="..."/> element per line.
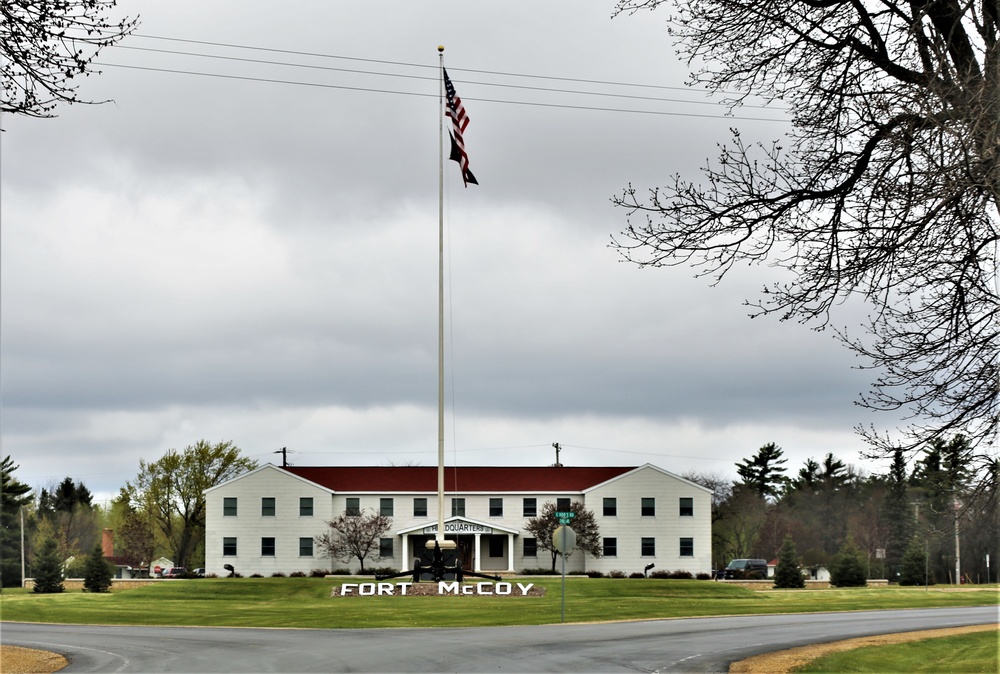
<point x="287" y="64"/>
<point x="423" y="95"/>
<point x="420" y="65"/>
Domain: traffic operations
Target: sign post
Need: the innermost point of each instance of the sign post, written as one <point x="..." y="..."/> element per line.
<point x="564" y="540"/>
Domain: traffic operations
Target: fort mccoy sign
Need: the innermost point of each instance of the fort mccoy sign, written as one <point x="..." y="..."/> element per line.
<point x="442" y="588"/>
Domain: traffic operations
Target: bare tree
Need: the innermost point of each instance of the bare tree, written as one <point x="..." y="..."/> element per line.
<point x="583" y="524"/>
<point x="46" y="44"/>
<point x="354" y="536"/>
<point x="886" y="188"/>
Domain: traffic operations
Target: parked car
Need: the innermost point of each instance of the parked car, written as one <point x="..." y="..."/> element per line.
<point x="175" y="572"/>
<point x="744" y="569"/>
<point x="199" y="572"/>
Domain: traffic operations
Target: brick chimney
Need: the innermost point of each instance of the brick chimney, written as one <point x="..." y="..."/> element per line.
<point x="108" y="542"/>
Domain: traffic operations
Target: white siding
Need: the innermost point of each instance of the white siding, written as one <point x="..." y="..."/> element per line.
<point x="667" y="527"/>
<point x="249" y="526"/>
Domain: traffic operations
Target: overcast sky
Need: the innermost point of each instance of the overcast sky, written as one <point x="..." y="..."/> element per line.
<point x="253" y="257"/>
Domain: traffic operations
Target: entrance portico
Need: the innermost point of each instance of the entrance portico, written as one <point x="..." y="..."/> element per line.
<point x="469" y="534"/>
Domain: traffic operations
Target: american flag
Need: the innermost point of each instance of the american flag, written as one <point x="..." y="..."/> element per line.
<point x="460" y="121"/>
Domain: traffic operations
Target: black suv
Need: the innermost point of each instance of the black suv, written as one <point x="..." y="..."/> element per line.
<point x="744" y="569"/>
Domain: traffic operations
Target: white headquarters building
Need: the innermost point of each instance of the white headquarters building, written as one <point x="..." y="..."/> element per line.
<point x="265" y="521"/>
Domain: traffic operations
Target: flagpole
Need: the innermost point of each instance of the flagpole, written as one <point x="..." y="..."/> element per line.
<point x="439" y="537"/>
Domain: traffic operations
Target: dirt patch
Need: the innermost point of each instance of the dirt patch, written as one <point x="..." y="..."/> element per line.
<point x="17" y="660"/>
<point x="781" y="662"/>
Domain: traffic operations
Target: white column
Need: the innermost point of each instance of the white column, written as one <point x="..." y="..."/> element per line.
<point x="476" y="549"/>
<point x="404" y="562"/>
<point x="510" y="552"/>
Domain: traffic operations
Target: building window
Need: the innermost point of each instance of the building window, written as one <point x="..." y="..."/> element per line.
<point x="648" y="547"/>
<point x="385" y="507"/>
<point x="648" y="506"/>
<point x="267" y="506"/>
<point x="530" y="547"/>
<point x="306" y="506"/>
<point x="305" y="547"/>
<point x="458" y="507"/>
<point x="267" y="547"/>
<point x="496" y="507"/>
<point x="687" y="547"/>
<point x="610" y="547"/>
<point x="385" y="547"/>
<point x="229" y="547"/>
<point x="562" y="505"/>
<point x="229" y="506"/>
<point x="420" y="507"/>
<point x="687" y="506"/>
<point x="610" y="507"/>
<point x="530" y="507"/>
<point x="496" y="546"/>
<point x="353" y="507"/>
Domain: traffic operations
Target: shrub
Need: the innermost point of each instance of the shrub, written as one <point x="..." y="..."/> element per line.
<point x="337" y="572"/>
<point x="297" y="574"/>
<point x="595" y="574"/>
<point x="637" y="574"/>
<point x="256" y="575"/>
<point x="384" y="571"/>
<point x="77" y="568"/>
<point x="660" y="573"/>
<point x="317" y="573"/>
<point x="277" y="574"/>
<point x="48" y="574"/>
<point x="98" y="571"/>
<point x="616" y="574"/>
<point x="539" y="572"/>
<point x="211" y="575"/>
<point x="679" y="575"/>
<point x="703" y="576"/>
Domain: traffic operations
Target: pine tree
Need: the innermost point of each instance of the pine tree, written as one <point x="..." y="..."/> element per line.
<point x="48" y="573"/>
<point x="916" y="570"/>
<point x="848" y="571"/>
<point x="98" y="573"/>
<point x="788" y="573"/>
<point x="897" y="513"/>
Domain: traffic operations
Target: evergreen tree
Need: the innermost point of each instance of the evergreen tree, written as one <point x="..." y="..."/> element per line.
<point x="916" y="570"/>
<point x="763" y="472"/>
<point x="848" y="569"/>
<point x="98" y="574"/>
<point x="14" y="494"/>
<point x="788" y="573"/>
<point x="897" y="513"/>
<point x="48" y="571"/>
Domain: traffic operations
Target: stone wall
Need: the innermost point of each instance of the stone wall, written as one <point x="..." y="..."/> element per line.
<point x="810" y="584"/>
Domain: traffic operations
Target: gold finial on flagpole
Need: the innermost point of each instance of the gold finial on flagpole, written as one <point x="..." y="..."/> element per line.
<point x="440" y="47"/>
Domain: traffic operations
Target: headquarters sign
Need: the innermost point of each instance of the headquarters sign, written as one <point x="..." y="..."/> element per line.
<point x="459" y="527"/>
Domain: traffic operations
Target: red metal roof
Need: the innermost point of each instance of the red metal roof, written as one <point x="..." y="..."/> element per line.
<point x="457" y="479"/>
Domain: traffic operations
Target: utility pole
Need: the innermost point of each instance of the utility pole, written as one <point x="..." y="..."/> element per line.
<point x="284" y="456"/>
<point x="558" y="448"/>
<point x="22" y="548"/>
<point x="958" y="553"/>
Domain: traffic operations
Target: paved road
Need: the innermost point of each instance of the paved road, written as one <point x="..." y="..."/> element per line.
<point x="688" y="645"/>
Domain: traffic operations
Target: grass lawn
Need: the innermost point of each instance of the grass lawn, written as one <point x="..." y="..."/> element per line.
<point x="975" y="652"/>
<point x="306" y="602"/>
